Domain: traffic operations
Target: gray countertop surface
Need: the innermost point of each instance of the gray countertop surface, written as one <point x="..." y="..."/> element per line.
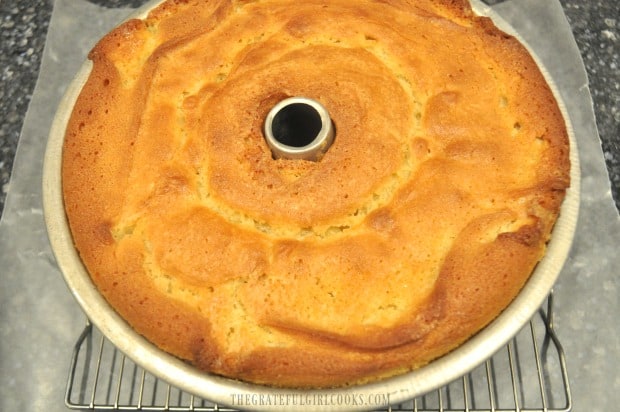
<point x="596" y="27"/>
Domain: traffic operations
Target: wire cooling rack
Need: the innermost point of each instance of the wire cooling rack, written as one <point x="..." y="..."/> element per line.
<point x="528" y="375"/>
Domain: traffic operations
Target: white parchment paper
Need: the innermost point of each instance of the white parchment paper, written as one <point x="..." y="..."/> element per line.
<point x="39" y="319"/>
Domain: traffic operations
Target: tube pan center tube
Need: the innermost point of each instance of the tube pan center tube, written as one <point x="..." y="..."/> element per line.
<point x="298" y="128"/>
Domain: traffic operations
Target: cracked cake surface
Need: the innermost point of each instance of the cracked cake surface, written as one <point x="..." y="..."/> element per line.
<point x="418" y="226"/>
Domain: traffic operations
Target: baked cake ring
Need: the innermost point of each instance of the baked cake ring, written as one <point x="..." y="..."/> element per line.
<point x="416" y="228"/>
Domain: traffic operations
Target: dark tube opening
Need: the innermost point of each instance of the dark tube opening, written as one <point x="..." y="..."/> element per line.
<point x="296" y="125"/>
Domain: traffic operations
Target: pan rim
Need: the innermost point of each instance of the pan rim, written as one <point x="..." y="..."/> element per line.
<point x="219" y="389"/>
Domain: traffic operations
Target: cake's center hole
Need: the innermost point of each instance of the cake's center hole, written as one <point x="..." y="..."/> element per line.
<point x="296" y="125"/>
<point x="298" y="128"/>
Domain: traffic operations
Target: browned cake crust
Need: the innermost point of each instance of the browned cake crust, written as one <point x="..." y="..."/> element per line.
<point x="416" y="229"/>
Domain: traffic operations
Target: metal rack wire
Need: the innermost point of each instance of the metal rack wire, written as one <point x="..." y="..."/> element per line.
<point x="528" y="375"/>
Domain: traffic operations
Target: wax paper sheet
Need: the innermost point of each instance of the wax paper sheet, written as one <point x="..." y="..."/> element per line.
<point x="40" y="321"/>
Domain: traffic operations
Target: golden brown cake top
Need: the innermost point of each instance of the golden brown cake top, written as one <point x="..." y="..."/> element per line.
<point x="416" y="228"/>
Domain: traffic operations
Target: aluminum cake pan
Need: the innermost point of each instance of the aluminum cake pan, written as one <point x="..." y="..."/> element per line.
<point x="221" y="390"/>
